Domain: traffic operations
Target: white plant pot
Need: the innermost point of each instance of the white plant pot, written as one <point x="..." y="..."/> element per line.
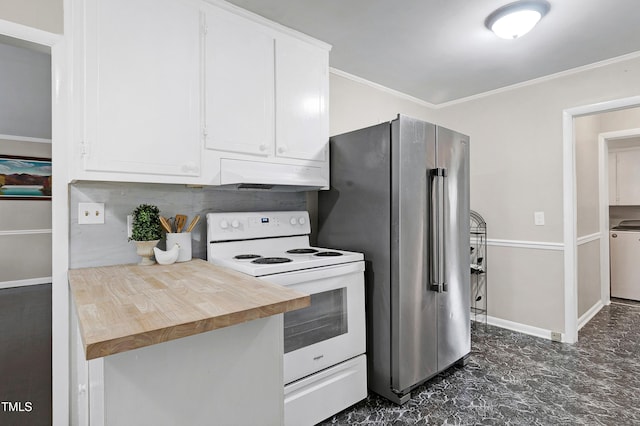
<point x="144" y="249"/>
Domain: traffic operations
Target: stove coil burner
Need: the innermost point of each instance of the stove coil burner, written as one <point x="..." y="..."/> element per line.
<point x="270" y="260"/>
<point x="247" y="256"/>
<point x="302" y="251"/>
<point x="328" y="254"/>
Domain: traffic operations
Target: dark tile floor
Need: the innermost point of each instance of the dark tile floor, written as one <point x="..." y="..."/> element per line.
<point x="25" y="355"/>
<point x="516" y="379"/>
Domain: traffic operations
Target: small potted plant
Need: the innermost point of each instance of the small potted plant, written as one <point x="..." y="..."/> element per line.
<point x="146" y="231"/>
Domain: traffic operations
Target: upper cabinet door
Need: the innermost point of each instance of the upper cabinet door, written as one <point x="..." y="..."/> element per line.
<point x="628" y="176"/>
<point x="302" y="124"/>
<point x="239" y="80"/>
<point x="142" y="87"/>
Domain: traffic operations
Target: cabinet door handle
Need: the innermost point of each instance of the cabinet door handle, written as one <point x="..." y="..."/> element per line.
<point x="264" y="147"/>
<point x="282" y="149"/>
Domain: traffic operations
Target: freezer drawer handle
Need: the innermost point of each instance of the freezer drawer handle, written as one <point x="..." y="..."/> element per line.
<point x="436" y="234"/>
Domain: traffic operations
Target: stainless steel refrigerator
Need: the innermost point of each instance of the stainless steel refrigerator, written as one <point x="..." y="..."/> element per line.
<point x="400" y="194"/>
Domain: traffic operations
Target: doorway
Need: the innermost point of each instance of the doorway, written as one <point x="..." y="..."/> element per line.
<point x="613" y="209"/>
<point x="570" y="207"/>
<point x="25" y="233"/>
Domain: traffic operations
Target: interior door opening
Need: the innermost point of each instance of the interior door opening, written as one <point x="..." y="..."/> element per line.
<point x="25" y="232"/>
<point x="605" y="127"/>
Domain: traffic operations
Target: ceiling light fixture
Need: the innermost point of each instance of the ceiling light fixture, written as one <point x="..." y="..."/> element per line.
<point x="516" y="19"/>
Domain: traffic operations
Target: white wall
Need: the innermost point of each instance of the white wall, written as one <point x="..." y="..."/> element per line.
<point x="25" y="111"/>
<point x="42" y="14"/>
<point x="587" y="211"/>
<point x="354" y="105"/>
<point x="25" y="84"/>
<point x="588" y="275"/>
<point x="619" y="120"/>
<point x="516" y="169"/>
<point x="587" y="191"/>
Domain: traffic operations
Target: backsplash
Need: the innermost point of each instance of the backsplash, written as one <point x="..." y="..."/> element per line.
<point x="101" y="245"/>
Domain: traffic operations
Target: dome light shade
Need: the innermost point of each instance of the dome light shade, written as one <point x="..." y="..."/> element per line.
<point x="516" y="19"/>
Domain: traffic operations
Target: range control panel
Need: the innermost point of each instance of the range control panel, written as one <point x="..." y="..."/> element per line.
<point x="248" y="225"/>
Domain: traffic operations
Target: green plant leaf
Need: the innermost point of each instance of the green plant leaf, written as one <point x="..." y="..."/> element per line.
<point x="146" y="223"/>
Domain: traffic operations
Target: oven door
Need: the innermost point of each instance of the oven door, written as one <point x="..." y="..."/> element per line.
<point x="330" y="330"/>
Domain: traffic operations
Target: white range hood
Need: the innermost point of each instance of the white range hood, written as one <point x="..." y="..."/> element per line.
<point x="245" y="174"/>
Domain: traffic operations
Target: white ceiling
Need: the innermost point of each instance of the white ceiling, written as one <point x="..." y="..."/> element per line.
<point x="440" y="50"/>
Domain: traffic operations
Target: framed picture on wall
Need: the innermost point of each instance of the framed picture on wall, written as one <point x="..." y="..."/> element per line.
<point x="25" y="178"/>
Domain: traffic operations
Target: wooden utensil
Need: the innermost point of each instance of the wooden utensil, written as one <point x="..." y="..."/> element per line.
<point x="165" y="224"/>
<point x="193" y="223"/>
<point x="181" y="220"/>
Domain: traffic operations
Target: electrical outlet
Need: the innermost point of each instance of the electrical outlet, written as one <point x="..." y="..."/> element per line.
<point x="538" y="218"/>
<point x="556" y="336"/>
<point x="90" y="213"/>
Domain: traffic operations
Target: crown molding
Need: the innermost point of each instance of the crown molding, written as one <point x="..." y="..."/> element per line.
<point x="577" y="70"/>
<point x="380" y="87"/>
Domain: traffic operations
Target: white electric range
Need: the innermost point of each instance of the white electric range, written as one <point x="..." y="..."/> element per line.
<point x="324" y="344"/>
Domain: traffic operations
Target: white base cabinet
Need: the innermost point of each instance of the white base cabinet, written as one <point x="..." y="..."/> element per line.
<point x="229" y="376"/>
<point x="171" y="89"/>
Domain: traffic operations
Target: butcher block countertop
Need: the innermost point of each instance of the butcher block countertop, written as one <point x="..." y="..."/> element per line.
<point x="126" y="307"/>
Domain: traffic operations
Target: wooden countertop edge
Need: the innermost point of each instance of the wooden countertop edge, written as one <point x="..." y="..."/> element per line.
<point x="135" y="341"/>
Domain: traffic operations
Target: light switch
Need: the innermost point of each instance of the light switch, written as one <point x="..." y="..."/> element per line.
<point x="90" y="213"/>
<point x="538" y="218"/>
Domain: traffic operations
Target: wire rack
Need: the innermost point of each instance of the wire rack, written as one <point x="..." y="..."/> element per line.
<point x="478" y="260"/>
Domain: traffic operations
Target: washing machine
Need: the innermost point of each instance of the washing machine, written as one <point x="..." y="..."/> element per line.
<point x="624" y="252"/>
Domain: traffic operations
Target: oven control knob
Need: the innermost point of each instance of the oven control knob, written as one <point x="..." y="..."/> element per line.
<point x="293" y="221"/>
<point x="302" y="220"/>
<point x="224" y="224"/>
<point x="235" y="223"/>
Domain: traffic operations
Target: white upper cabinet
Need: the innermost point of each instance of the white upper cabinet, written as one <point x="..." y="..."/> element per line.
<point x="302" y="87"/>
<point x="196" y="92"/>
<point x="142" y="97"/>
<point x="266" y="103"/>
<point x="627" y="177"/>
<point x="239" y="76"/>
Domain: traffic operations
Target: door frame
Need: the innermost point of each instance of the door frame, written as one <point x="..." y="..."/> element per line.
<point x="603" y="191"/>
<point x="570" y="206"/>
<point x="59" y="207"/>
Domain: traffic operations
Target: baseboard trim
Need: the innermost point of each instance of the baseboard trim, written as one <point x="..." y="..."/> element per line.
<point x="586" y="317"/>
<point x="521" y="328"/>
<point x="24" y="283"/>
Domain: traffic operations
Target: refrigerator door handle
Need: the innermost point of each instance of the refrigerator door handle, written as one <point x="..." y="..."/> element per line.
<point x="436" y="228"/>
<point x="443" y="238"/>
